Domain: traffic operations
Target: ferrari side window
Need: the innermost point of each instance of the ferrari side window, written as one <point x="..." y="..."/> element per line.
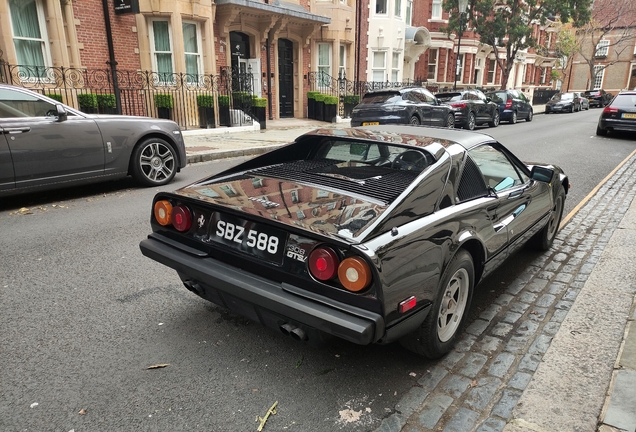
<point x="499" y="173"/>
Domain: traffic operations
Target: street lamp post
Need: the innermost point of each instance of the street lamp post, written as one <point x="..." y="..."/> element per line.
<point x="463" y="5"/>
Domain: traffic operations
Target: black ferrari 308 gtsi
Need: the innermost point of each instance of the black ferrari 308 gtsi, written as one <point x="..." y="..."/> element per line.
<point x="374" y="234"/>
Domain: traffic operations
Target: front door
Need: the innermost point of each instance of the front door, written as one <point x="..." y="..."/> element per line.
<point x="285" y="78"/>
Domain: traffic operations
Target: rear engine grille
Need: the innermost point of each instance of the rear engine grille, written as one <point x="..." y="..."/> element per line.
<point x="386" y="188"/>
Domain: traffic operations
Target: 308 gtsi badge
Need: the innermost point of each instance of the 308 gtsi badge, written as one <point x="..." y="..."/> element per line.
<point x="373" y="234"/>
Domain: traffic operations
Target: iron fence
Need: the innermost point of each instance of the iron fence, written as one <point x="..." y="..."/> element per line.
<point x="193" y="101"/>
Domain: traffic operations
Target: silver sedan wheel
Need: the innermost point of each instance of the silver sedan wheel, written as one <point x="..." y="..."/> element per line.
<point x="154" y="162"/>
<point x="453" y="305"/>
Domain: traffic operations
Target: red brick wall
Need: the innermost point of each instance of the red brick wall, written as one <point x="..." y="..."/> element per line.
<point x="91" y="33"/>
<point x="361" y="39"/>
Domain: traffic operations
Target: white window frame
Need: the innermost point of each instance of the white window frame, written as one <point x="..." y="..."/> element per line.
<point x="493" y="71"/>
<point x="397" y="10"/>
<point x="409" y="14"/>
<point x="395" y="66"/>
<point x="602" y="48"/>
<point x="44" y="42"/>
<point x="435" y="64"/>
<point x="436" y="9"/>
<point x="197" y="54"/>
<point x="342" y="68"/>
<point x="153" y="52"/>
<point x="600" y="74"/>
<point x="377" y="68"/>
<point x="459" y="68"/>
<point x="544" y="75"/>
<point x="325" y="68"/>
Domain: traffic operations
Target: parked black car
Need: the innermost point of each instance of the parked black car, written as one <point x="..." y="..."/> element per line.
<point x="563" y="102"/>
<point x="47" y="145"/>
<point x="471" y="108"/>
<point x="598" y="98"/>
<point x="416" y="106"/>
<point x="372" y="234"/>
<point x="513" y="105"/>
<point x="619" y="115"/>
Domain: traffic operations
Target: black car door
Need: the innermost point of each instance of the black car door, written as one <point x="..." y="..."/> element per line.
<point x="47" y="149"/>
<point x="7" y="179"/>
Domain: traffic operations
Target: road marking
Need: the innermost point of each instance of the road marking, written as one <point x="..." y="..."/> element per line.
<point x="593" y="191"/>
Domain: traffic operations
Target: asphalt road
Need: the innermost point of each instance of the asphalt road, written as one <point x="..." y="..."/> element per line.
<point x="83" y="316"/>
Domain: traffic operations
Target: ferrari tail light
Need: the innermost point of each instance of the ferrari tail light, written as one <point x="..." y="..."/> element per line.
<point x="354" y="274"/>
<point x="181" y="218"/>
<point x="163" y="212"/>
<point x="509" y="104"/>
<point x="610" y="110"/>
<point x="458" y="105"/>
<point x="323" y="263"/>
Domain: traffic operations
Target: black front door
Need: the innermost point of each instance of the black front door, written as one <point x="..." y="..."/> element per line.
<point x="285" y="78"/>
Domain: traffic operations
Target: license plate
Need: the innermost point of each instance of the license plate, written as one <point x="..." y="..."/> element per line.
<point x="629" y="116"/>
<point x="370" y="123"/>
<point x="249" y="237"/>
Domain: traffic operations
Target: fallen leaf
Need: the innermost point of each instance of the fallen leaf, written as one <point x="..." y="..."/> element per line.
<point x="474" y="383"/>
<point x="82" y="411"/>
<point x="24" y="211"/>
<point x="413" y="374"/>
<point x="158" y="366"/>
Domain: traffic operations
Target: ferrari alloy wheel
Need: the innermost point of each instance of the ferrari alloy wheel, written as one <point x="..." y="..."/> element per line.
<point x="470" y="122"/>
<point x="495" y="120"/>
<point x="450" y="121"/>
<point x="543" y="239"/>
<point x="415" y="121"/>
<point x="439" y="331"/>
<point x="154" y="162"/>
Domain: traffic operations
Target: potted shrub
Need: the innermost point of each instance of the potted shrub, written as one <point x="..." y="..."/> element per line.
<point x="206" y="111"/>
<point x="224" y="110"/>
<point x="311" y="104"/>
<point x="260" y="110"/>
<point x="350" y="101"/>
<point x="240" y="99"/>
<point x="164" y="104"/>
<point x="87" y="102"/>
<point x="55" y="96"/>
<point x="319" y="107"/>
<point x="106" y="103"/>
<point x="331" y="108"/>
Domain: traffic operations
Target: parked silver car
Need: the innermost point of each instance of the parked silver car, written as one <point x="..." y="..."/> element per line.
<point x="49" y="145"/>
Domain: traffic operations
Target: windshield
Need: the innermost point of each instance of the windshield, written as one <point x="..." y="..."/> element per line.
<point x="563" y="96"/>
<point x="449" y="97"/>
<point x="380" y="98"/>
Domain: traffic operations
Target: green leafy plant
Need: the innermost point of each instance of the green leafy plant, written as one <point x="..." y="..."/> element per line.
<point x="259" y="102"/>
<point x="164" y="101"/>
<point x="106" y="100"/>
<point x="319" y="97"/>
<point x="312" y="94"/>
<point x="352" y="99"/>
<point x="205" y="101"/>
<point x="55" y="96"/>
<point x="224" y="101"/>
<point x="331" y="100"/>
<point x="87" y="100"/>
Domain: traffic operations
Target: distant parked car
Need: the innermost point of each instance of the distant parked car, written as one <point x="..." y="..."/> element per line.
<point x="619" y="115"/>
<point x="416" y="106"/>
<point x="563" y="102"/>
<point x="585" y="104"/>
<point x="598" y="97"/>
<point x="472" y="108"/>
<point x="513" y="105"/>
<point x="50" y="145"/>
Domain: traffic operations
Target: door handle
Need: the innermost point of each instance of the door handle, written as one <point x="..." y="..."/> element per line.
<point x="15" y="130"/>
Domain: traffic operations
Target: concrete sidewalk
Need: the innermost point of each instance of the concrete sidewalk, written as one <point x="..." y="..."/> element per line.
<point x="586" y="380"/>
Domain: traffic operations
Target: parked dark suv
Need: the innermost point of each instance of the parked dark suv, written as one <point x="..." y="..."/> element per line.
<point x="472" y="108"/>
<point x="513" y="105"/>
<point x="416" y="106"/>
<point x="598" y="97"/>
<point x="619" y="115"/>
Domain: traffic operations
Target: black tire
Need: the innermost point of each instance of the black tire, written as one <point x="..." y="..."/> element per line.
<point x="470" y="121"/>
<point x="572" y="108"/>
<point x="154" y="162"/>
<point x="601" y="132"/>
<point x="543" y="239"/>
<point x="530" y="116"/>
<point x="495" y="120"/>
<point x="450" y="121"/>
<point x="439" y="331"/>
<point x="513" y="120"/>
<point x="415" y="121"/>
